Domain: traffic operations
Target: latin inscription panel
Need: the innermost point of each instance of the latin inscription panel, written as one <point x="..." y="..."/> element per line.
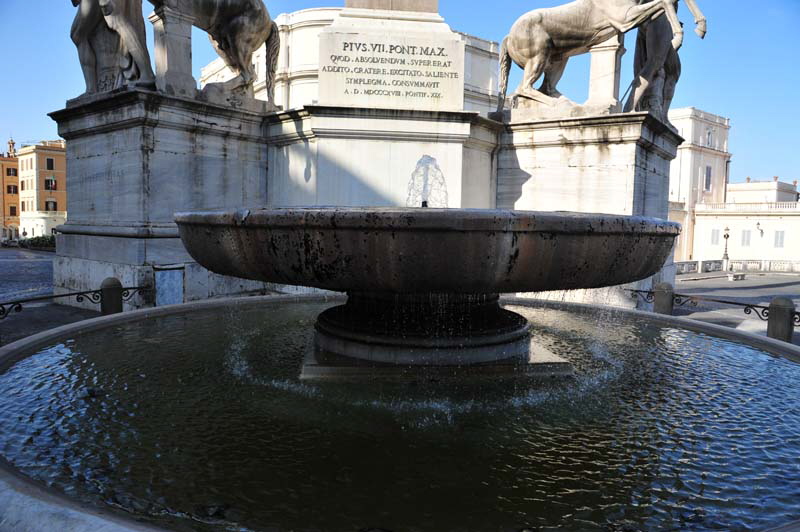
<point x="368" y="70"/>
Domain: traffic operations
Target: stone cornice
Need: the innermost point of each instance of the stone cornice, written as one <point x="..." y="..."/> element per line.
<point x="123" y="109"/>
<point x="637" y="128"/>
<point x="311" y="122"/>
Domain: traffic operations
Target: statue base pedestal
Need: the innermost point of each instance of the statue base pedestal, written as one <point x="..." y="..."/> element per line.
<point x="360" y="157"/>
<point x="615" y="164"/>
<point x="135" y="157"/>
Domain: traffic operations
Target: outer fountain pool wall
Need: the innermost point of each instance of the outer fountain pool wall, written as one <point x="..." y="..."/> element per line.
<point x="26" y="504"/>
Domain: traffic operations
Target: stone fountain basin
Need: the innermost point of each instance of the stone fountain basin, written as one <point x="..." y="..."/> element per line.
<point x="405" y="250"/>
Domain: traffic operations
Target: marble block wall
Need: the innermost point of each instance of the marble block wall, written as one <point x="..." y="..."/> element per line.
<point x="135" y="158"/>
<point x="322" y="155"/>
<point x="614" y="164"/>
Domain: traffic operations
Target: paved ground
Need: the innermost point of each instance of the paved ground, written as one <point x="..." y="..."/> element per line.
<point x="757" y="289"/>
<point x="26" y="274"/>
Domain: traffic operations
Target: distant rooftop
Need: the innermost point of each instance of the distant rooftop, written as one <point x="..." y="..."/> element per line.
<point x="693" y="112"/>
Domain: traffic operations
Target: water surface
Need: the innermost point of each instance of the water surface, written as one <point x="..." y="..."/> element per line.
<point x="199" y="421"/>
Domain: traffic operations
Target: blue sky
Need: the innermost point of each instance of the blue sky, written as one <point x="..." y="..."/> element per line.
<point x="746" y="69"/>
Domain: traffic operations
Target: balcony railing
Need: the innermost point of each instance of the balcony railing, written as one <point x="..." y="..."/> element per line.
<point x="784" y="206"/>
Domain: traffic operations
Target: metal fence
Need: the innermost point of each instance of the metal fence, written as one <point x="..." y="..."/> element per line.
<point x="781" y="315"/>
<point x="110" y="297"/>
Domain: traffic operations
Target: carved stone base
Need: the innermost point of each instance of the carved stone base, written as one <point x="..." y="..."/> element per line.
<point x="614" y="164"/>
<point x="422" y="330"/>
<point x="528" y="110"/>
<point x="135" y="157"/>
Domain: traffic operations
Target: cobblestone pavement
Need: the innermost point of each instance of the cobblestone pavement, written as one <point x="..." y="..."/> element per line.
<point x="757" y="289"/>
<point x="26" y="274"/>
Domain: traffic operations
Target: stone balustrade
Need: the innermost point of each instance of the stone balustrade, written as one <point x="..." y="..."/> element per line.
<point x="749" y="207"/>
<point x="750" y="265"/>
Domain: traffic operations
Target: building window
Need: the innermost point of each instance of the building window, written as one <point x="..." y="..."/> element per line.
<point x="50" y="205"/>
<point x="12" y="189"/>
<point x="12" y="210"/>
<point x="50" y="183"/>
<point x="707" y="185"/>
<point x="715" y="237"/>
<point x="710" y="138"/>
<point x="746" y="238"/>
<point x="779" y="237"/>
<point x="22" y="184"/>
<point x="11" y="172"/>
<point x="51" y="163"/>
<point x="23" y="206"/>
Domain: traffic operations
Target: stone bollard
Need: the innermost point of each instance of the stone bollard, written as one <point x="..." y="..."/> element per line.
<point x="781" y="319"/>
<point x="664" y="299"/>
<point x="111" y="292"/>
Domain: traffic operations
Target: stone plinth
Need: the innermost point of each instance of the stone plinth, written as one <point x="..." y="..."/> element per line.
<point x="173" y="48"/>
<point x="375" y="157"/>
<point x="391" y="59"/>
<point x="134" y="159"/>
<point x="615" y="164"/>
<point x="604" y="76"/>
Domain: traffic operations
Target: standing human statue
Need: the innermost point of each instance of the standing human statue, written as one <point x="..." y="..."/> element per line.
<point x="110" y="36"/>
<point x="657" y="66"/>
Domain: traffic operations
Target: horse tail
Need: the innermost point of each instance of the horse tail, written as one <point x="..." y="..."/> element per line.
<point x="505" y="69"/>
<point x="273" y="49"/>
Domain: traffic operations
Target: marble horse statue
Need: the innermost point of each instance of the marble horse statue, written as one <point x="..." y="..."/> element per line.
<point x="112" y="47"/>
<point x="657" y="66"/>
<point x="542" y="41"/>
<point x="236" y="28"/>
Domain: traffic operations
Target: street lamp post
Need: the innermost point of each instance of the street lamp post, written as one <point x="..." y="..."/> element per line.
<point x="726" y="236"/>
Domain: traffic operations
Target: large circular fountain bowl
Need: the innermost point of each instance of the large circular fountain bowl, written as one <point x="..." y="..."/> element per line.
<point x="404" y="250"/>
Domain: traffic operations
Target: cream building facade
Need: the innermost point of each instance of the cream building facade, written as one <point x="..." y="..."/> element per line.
<point x="763" y="235"/>
<point x="700" y="172"/>
<point x="42" y="188"/>
<point x="760" y="218"/>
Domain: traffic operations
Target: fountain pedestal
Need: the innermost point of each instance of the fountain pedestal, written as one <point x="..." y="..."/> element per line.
<point x="422" y="330"/>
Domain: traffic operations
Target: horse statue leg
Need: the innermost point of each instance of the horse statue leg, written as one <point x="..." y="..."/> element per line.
<point x="533" y="70"/>
<point x="552" y="75"/>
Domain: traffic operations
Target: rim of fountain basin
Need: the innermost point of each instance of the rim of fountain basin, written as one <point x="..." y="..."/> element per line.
<point x="26" y="503"/>
<point x="415" y="218"/>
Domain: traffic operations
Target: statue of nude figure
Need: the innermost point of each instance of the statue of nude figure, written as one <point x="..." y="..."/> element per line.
<point x="123" y="17"/>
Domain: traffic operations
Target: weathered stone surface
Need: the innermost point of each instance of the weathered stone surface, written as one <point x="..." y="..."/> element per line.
<point x="111" y="43"/>
<point x="369" y="157"/>
<point x="431" y="6"/>
<point x="657" y="66"/>
<point x="542" y="41"/>
<point x="151" y="155"/>
<point x="616" y="164"/>
<point x="391" y="60"/>
<point x="422" y="283"/>
<point x="237" y="29"/>
<point x="443" y="251"/>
